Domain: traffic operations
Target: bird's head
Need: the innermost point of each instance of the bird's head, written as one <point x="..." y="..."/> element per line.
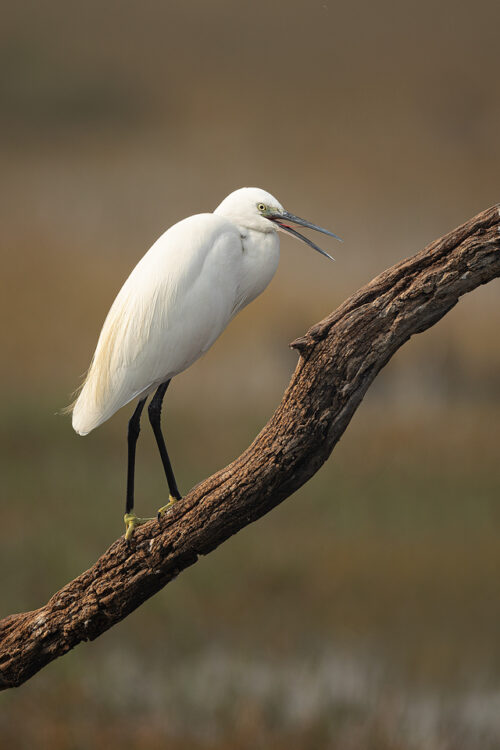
<point x="253" y="208"/>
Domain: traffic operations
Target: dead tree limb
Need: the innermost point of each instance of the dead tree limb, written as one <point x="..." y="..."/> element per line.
<point x="339" y="358"/>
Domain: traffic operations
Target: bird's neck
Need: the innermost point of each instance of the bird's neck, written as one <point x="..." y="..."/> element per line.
<point x="260" y="260"/>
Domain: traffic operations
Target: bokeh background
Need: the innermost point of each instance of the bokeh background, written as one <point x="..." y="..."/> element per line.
<point x="364" y="612"/>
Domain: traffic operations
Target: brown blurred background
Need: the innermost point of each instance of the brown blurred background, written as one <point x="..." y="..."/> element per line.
<point x="364" y="612"/>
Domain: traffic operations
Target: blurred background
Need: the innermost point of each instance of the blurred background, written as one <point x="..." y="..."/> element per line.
<point x="364" y="611"/>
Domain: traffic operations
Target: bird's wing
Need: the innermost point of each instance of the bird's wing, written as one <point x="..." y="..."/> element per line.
<point x="175" y="303"/>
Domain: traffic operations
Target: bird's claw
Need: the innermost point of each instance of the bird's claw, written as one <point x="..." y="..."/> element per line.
<point x="165" y="508"/>
<point x="131" y="521"/>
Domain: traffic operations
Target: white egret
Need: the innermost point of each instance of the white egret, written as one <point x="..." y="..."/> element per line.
<point x="173" y="306"/>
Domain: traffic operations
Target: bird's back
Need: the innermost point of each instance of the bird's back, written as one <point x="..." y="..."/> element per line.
<point x="175" y="303"/>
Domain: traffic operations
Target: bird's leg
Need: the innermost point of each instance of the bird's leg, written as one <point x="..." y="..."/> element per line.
<point x="154" y="411"/>
<point x="134" y="428"/>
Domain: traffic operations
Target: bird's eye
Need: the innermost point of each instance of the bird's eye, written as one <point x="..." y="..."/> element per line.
<point x="261" y="206"/>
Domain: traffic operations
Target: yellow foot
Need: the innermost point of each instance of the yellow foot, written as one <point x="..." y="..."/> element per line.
<point x="131" y="521"/>
<point x="165" y="508"/>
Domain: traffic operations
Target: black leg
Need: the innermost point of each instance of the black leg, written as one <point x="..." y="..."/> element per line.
<point x="134" y="428"/>
<point x="154" y="411"/>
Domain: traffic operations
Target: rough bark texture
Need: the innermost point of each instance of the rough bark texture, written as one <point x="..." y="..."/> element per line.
<point x="339" y="358"/>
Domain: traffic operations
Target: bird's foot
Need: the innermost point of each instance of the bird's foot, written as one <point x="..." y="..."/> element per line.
<point x="131" y="521"/>
<point x="165" y="508"/>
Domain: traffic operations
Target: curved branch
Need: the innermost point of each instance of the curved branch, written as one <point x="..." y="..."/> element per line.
<point x="339" y="358"/>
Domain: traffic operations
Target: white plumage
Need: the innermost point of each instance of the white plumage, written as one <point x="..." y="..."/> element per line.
<point x="174" y="305"/>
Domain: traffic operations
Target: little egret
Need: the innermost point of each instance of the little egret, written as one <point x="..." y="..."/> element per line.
<point x="173" y="306"/>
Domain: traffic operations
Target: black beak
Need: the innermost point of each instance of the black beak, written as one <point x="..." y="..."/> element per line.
<point x="283" y="217"/>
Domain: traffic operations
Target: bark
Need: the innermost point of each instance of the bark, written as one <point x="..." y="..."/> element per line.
<point x="339" y="358"/>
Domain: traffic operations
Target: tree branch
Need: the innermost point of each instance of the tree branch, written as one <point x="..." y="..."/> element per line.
<point x="339" y="358"/>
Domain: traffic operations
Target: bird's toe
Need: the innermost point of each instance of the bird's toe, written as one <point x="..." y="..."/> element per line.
<point x="131" y="521"/>
<point x="165" y="508"/>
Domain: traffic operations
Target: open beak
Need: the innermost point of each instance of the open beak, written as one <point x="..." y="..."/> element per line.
<point x="283" y="217"/>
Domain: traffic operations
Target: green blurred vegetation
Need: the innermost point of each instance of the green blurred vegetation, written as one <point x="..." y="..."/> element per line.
<point x="363" y="612"/>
